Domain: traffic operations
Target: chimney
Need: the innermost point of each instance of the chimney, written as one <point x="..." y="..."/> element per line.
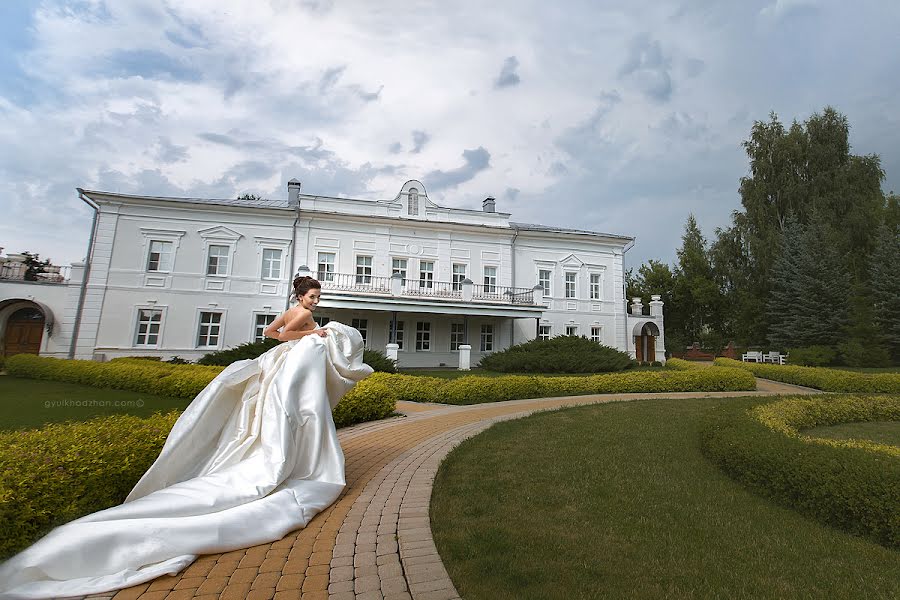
<point x="489" y="204"/>
<point x="294" y="193"/>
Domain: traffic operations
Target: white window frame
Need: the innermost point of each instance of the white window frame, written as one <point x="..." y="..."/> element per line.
<point x="461" y="339"/>
<point x="364" y="277"/>
<point x="423" y="336"/>
<point x="263" y="267"/>
<point x="326" y="274"/>
<point x="596" y="286"/>
<point x="546" y="283"/>
<point x="257" y="333"/>
<point x="160" y="235"/>
<point x="548" y="334"/>
<point x="597" y="333"/>
<point x="458" y="275"/>
<point x="572" y="330"/>
<point x="209" y="257"/>
<point x="362" y="325"/>
<point x="426" y="276"/>
<point x="161" y="267"/>
<point x="487" y="337"/>
<point x="400" y="265"/>
<point x="199" y="323"/>
<point x="573" y="282"/>
<point x="490" y="281"/>
<point x="400" y="335"/>
<point x="137" y="324"/>
<point x="219" y="236"/>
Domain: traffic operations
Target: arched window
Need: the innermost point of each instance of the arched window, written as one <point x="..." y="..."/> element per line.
<point x="413" y="207"/>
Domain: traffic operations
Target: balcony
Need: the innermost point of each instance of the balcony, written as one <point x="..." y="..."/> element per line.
<point x="14" y="269"/>
<point x="400" y="287"/>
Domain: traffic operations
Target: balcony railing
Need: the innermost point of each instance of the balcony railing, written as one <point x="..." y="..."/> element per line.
<point x="425" y="288"/>
<point x="16" y="271"/>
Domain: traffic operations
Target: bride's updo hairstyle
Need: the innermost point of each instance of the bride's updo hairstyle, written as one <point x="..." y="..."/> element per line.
<point x="303" y="285"/>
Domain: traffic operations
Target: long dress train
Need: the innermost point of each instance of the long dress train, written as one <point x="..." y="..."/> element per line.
<point x="254" y="456"/>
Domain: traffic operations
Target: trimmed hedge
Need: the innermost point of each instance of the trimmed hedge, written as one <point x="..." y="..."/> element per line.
<point x="473" y="389"/>
<point x="63" y="471"/>
<point x="165" y="379"/>
<point x="561" y="354"/>
<point x="828" y="380"/>
<point x="854" y="486"/>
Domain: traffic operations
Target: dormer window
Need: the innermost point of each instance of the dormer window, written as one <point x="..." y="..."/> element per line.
<point x="413" y="207"/>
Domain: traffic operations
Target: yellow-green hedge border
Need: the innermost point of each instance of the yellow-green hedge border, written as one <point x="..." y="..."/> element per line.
<point x="821" y="378"/>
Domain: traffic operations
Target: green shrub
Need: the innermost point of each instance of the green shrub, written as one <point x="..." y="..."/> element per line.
<point x="812" y="356"/>
<point x="120" y="358"/>
<point x="855" y="353"/>
<point x="63" y="471"/>
<point x="241" y="352"/>
<point x="379" y="361"/>
<point x="852" y="485"/>
<point x="561" y="354"/>
<point x="473" y="389"/>
<point x="829" y="380"/>
<point x="2" y="362"/>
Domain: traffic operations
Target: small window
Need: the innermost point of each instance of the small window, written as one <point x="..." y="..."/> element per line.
<point x="490" y="280"/>
<point x="398" y="266"/>
<point x="544" y="281"/>
<point x="271" y="263"/>
<point x="426" y="274"/>
<point x="364" y="270"/>
<point x="217" y="262"/>
<point x="149" y="322"/>
<point x="321" y="321"/>
<point x="413" y="206"/>
<point x="210" y="328"/>
<point x="262" y="321"/>
<point x="457" y="336"/>
<point x="570" y="285"/>
<point x="572" y="330"/>
<point x="325" y="268"/>
<point x="544" y="332"/>
<point x="596" y="334"/>
<point x="362" y="325"/>
<point x="487" y="338"/>
<point x="595" y="286"/>
<point x="160" y="257"/>
<point x="423" y="336"/>
<point x="459" y="273"/>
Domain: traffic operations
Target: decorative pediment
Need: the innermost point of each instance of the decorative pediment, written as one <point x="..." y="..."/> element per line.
<point x="572" y="261"/>
<point x="220" y="232"/>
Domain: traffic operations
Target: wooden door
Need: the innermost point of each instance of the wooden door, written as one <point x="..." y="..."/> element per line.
<point x="651" y="347"/>
<point x="639" y="348"/>
<point x="23" y="337"/>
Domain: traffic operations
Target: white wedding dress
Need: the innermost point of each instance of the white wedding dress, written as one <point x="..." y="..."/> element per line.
<point x="254" y="456"/>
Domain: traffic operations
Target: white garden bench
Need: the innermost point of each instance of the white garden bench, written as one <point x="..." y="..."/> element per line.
<point x="752" y="356"/>
<point x="776" y="358"/>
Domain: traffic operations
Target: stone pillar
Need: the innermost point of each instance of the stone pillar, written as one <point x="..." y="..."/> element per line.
<point x="656" y="306"/>
<point x="465" y="357"/>
<point x="537" y="293"/>
<point x="637" y="307"/>
<point x="391" y="351"/>
<point x="468" y="289"/>
<point x="396" y="284"/>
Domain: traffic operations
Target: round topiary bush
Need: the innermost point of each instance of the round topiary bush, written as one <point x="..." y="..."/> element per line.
<point x="561" y="354"/>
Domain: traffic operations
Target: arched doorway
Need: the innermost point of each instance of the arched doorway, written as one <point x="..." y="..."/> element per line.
<point x="24" y="332"/>
<point x="645" y="341"/>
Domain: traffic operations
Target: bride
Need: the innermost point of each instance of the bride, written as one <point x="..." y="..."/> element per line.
<point x="253" y="457"/>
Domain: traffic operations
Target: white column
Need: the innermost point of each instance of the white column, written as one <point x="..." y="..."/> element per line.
<point x="468" y="289"/>
<point x="465" y="357"/>
<point x="656" y="306"/>
<point x="391" y="351"/>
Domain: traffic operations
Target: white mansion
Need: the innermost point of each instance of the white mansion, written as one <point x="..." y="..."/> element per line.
<point x="186" y="276"/>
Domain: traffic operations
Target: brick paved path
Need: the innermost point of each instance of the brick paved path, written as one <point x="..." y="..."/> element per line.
<point x="375" y="541"/>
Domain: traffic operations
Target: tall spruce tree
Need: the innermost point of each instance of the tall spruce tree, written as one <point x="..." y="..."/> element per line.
<point x="809" y="301"/>
<point x="885" y="286"/>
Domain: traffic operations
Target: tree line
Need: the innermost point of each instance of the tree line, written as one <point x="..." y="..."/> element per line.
<point x="808" y="264"/>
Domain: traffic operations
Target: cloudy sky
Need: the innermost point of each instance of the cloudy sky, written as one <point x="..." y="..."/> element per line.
<point x="614" y="116"/>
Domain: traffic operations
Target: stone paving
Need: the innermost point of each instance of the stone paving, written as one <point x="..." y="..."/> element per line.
<point x="374" y="542"/>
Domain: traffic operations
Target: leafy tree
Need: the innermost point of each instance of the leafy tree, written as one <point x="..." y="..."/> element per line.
<point x="808" y="304"/>
<point x="34" y="266"/>
<point x="695" y="294"/>
<point x="251" y="197"/>
<point x="885" y="285"/>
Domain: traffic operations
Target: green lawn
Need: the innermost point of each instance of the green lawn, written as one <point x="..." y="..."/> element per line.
<point x="869" y="369"/>
<point x="616" y="501"/>
<point x="30" y="403"/>
<point x="883" y="432"/>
